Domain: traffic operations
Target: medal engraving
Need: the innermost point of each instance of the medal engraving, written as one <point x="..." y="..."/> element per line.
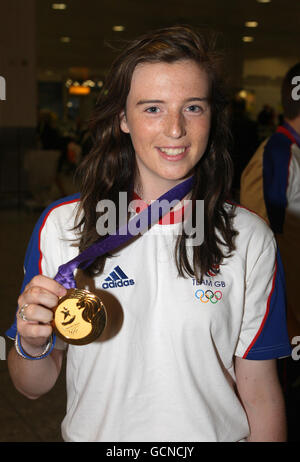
<point x="79" y="317"/>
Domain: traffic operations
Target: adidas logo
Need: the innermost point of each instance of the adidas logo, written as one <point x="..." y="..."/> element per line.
<point x="117" y="278"/>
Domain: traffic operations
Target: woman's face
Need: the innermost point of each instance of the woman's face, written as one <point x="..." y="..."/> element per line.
<point x="168" y="117"/>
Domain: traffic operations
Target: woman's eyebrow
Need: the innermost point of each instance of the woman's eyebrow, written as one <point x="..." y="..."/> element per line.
<point x="155" y="101"/>
<point x="204" y="98"/>
<point x="148" y="101"/>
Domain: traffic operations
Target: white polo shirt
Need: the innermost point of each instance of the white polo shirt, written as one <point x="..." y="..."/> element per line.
<point x="163" y="370"/>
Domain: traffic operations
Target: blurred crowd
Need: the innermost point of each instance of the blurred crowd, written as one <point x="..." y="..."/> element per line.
<point x="71" y="138"/>
<point x="59" y="148"/>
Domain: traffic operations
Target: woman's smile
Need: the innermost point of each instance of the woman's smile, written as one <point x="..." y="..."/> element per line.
<point x="173" y="154"/>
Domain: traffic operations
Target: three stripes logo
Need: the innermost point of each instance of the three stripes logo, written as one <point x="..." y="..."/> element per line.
<point x="117" y="278"/>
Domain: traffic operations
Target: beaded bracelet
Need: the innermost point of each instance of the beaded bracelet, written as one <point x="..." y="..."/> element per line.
<point x="48" y="348"/>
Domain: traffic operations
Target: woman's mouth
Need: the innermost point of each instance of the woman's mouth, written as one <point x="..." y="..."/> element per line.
<point x="173" y="153"/>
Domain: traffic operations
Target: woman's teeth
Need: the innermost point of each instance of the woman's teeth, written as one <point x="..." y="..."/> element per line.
<point x="172" y="151"/>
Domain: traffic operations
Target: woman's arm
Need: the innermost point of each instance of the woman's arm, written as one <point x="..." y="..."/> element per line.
<point x="260" y="393"/>
<point x="34" y="378"/>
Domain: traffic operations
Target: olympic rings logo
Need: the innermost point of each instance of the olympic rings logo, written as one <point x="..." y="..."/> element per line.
<point x="208" y="296"/>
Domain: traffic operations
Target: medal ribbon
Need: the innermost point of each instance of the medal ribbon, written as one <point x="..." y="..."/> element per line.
<point x="145" y="218"/>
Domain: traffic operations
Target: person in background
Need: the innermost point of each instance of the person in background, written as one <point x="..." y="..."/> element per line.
<point x="270" y="186"/>
<point x="265" y="123"/>
<point x="244" y="140"/>
<point x="49" y="136"/>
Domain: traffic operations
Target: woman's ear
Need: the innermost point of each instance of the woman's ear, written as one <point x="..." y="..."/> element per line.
<point x="123" y="122"/>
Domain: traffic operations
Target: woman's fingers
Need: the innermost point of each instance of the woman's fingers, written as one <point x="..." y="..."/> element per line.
<point x="35" y="311"/>
<point x="47" y="283"/>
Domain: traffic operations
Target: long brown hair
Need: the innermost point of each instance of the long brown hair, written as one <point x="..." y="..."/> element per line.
<point x="110" y="167"/>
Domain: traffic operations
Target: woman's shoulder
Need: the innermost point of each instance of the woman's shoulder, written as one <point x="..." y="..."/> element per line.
<point x="61" y="215"/>
<point x="250" y="226"/>
<point x="62" y="208"/>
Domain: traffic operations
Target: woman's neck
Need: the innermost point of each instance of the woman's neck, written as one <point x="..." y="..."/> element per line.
<point x="151" y="191"/>
<point x="149" y="194"/>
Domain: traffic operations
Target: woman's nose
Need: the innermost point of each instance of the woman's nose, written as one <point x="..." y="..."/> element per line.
<point x="175" y="125"/>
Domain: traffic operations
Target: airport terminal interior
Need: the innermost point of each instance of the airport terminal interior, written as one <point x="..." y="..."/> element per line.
<point x="54" y="57"/>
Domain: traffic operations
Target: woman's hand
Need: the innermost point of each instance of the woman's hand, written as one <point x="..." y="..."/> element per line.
<point x="36" y="302"/>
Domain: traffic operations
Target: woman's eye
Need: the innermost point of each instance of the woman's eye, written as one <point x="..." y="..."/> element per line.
<point x="152" y="109"/>
<point x="195" y="108"/>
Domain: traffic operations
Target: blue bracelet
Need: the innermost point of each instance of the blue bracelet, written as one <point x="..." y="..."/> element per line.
<point x="49" y="347"/>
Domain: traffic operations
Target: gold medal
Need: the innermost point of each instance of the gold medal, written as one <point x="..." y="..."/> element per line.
<point x="79" y="317"/>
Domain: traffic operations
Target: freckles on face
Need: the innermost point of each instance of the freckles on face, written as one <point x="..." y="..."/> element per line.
<point x="168" y="118"/>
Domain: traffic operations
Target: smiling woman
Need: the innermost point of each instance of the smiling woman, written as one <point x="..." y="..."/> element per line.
<point x="194" y="330"/>
<point x="162" y="116"/>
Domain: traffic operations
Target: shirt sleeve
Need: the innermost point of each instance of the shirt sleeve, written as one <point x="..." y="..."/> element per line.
<point x="264" y="331"/>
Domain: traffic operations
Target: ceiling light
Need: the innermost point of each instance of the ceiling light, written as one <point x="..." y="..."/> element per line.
<point x="247" y="38"/>
<point x="242" y="94"/>
<point x="263" y="1"/>
<point x="88" y="83"/>
<point x="65" y="39"/>
<point x="251" y="23"/>
<point x="59" y="6"/>
<point x="118" y="28"/>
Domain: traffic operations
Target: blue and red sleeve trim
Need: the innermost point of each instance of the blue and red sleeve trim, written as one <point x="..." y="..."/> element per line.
<point x="271" y="340"/>
<point x="33" y="256"/>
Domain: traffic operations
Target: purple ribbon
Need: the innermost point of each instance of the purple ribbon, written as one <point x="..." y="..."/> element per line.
<point x="146" y="218"/>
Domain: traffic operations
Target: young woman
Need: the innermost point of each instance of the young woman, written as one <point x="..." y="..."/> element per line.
<point x="189" y="352"/>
